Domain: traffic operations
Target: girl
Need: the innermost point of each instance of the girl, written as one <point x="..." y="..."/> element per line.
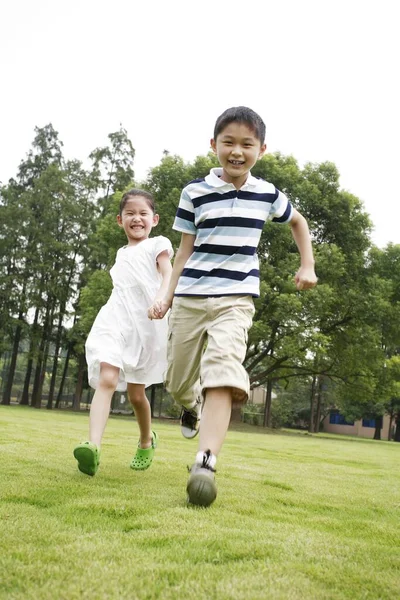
<point x="125" y="349"/>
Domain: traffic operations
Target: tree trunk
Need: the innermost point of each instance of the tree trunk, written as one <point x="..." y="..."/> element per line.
<point x="378" y="427"/>
<point x="6" y="365"/>
<point x="317" y="423"/>
<point x="34" y="398"/>
<point x="79" y="383"/>
<point x="55" y="360"/>
<point x="14" y="355"/>
<point x="43" y="371"/>
<point x="64" y="375"/>
<point x="11" y="371"/>
<point x="25" y="393"/>
<point x="267" y="406"/>
<point x="312" y="405"/>
<point x="42" y="359"/>
<point x="48" y="326"/>
<point x="397" y="431"/>
<point x="390" y="425"/>
<point x="59" y="338"/>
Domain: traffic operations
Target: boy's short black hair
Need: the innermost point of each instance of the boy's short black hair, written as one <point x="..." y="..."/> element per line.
<point x="241" y="114"/>
<point x="136" y="192"/>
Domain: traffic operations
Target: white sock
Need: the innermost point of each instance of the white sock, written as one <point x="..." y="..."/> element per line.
<point x="211" y="460"/>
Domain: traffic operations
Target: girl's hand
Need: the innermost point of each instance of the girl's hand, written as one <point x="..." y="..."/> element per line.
<point x="305" y="278"/>
<point x="158" y="309"/>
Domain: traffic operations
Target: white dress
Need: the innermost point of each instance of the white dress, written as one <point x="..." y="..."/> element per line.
<point x="122" y="334"/>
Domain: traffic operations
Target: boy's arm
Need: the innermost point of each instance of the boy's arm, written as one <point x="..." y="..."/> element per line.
<point x="305" y="277"/>
<point x="185" y="250"/>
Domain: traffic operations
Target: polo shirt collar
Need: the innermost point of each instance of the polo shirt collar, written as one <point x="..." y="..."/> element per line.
<point x="214" y="179"/>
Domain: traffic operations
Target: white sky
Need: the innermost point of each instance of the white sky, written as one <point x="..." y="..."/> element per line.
<point x="323" y="74"/>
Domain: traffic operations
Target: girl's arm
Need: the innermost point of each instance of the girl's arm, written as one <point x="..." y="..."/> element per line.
<point x="305" y="277"/>
<point x="185" y="250"/>
<point x="165" y="268"/>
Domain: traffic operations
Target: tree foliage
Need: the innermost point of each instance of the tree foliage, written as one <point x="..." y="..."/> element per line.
<point x="59" y="237"/>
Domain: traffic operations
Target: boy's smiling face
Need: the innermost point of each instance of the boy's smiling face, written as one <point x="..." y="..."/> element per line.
<point x="238" y="150"/>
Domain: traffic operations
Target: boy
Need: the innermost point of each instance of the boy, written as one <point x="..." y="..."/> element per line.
<point x="213" y="282"/>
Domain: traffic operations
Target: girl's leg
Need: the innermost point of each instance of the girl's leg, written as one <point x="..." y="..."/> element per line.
<point x="100" y="407"/>
<point x="142" y="411"/>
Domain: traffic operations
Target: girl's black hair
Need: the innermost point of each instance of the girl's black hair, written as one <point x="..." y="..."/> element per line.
<point x="136" y="192"/>
<point x="241" y="114"/>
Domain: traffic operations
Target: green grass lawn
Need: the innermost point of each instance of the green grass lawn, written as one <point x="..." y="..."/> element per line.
<point x="296" y="517"/>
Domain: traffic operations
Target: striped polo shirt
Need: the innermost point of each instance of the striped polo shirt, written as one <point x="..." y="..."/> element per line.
<point x="227" y="224"/>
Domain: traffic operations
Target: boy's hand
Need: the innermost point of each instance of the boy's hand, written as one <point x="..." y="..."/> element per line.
<point x="158" y="309"/>
<point x="305" y="278"/>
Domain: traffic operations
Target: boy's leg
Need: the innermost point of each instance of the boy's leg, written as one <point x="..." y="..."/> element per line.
<point x="148" y="438"/>
<point x="186" y="339"/>
<point x="88" y="453"/>
<point x="215" y="419"/>
<point x="224" y="378"/>
<point x="223" y="375"/>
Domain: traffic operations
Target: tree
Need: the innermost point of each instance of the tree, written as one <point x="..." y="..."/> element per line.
<point x="49" y="213"/>
<point x="21" y="216"/>
<point x="59" y="237"/>
<point x="112" y="166"/>
<point x="298" y="334"/>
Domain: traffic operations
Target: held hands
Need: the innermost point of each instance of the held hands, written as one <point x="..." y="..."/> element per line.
<point x="305" y="278"/>
<point x="158" y="309"/>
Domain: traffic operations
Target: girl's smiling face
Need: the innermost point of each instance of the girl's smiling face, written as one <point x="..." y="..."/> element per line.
<point x="137" y="219"/>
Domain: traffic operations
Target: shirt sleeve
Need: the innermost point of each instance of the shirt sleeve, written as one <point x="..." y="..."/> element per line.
<point x="184" y="219"/>
<point x="162" y="243"/>
<point x="281" y="209"/>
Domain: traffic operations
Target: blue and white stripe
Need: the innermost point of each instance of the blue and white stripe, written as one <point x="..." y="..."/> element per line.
<point x="227" y="224"/>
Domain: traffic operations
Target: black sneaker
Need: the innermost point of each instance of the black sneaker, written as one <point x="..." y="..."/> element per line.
<point x="201" y="487"/>
<point x="190" y="420"/>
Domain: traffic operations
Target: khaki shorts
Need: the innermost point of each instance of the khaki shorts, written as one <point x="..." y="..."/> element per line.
<point x="207" y="340"/>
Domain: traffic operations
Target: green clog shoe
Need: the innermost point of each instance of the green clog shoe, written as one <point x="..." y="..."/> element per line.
<point x="144" y="456"/>
<point x="88" y="457"/>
